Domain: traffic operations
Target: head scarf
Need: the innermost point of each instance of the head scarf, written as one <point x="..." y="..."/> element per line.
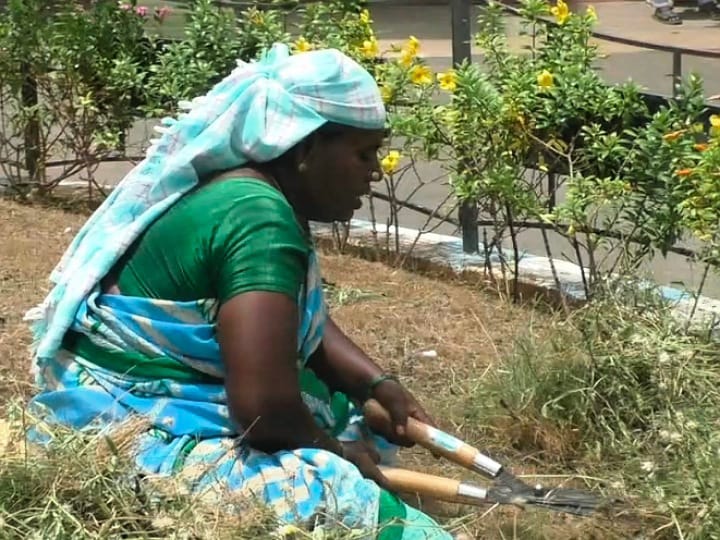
<point x="257" y="113"/>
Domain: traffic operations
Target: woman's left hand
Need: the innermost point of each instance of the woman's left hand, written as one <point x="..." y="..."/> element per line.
<point x="400" y="404"/>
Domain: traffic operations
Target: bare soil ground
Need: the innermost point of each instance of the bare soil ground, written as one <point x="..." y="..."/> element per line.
<point x="441" y="336"/>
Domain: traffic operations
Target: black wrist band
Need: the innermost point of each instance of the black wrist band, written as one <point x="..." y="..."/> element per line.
<point x="377" y="381"/>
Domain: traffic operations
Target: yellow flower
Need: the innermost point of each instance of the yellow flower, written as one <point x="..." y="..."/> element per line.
<point x="674" y="135"/>
<point x="560" y="11"/>
<point x="390" y="162"/>
<point x="370" y="48"/>
<point x="715" y="120"/>
<point x="302" y="45"/>
<point x="407" y="57"/>
<point x="409" y="51"/>
<point x="447" y="80"/>
<point x="421" y="75"/>
<point x="545" y="79"/>
<point x="591" y="13"/>
<point x="413" y="44"/>
<point x="700" y="147"/>
<point x="387" y="93"/>
<point x="365" y="16"/>
<point x="289" y="530"/>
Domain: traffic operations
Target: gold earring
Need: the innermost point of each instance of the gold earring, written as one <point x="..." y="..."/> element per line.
<point x="302" y="167"/>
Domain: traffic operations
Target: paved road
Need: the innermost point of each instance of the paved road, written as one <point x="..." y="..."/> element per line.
<point x="652" y="69"/>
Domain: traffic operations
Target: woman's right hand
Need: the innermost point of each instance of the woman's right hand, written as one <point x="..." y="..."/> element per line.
<point x="366" y="459"/>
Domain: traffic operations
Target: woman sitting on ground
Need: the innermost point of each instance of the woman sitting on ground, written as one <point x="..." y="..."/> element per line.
<point x="192" y="299"/>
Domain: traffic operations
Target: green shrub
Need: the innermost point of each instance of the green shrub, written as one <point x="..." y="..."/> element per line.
<point x="77" y="78"/>
<point x="523" y="127"/>
<point x="210" y="46"/>
<point x="631" y="395"/>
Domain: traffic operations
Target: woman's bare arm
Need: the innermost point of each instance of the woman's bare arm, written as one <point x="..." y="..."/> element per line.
<point x="257" y="332"/>
<point x="342" y="364"/>
<point x="346" y="368"/>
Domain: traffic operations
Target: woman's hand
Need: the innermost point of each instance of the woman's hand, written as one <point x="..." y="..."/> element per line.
<point x="400" y="404"/>
<point x="346" y="368"/>
<point x="366" y="458"/>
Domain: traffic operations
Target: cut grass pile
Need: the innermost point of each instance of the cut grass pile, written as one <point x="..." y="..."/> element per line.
<point x="615" y="397"/>
<point x="83" y="487"/>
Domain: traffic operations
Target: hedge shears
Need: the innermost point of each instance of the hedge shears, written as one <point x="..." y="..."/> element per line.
<point x="506" y="488"/>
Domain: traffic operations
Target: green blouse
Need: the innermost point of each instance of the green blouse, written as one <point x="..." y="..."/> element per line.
<point x="221" y="240"/>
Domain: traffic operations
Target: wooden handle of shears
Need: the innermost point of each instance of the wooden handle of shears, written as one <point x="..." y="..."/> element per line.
<point x="437" y="487"/>
<point x="406" y="481"/>
<point x="436" y="441"/>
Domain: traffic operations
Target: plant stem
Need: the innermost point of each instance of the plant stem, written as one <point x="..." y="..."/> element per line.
<point x="578" y="255"/>
<point x="516" y="254"/>
<point x="697" y="296"/>
<point x="553" y="270"/>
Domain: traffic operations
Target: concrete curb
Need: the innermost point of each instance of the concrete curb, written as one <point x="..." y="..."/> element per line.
<point x="535" y="276"/>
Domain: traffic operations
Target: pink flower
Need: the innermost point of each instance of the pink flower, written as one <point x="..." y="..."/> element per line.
<point x="142" y="11"/>
<point x="162" y="13"/>
<point x="125" y="7"/>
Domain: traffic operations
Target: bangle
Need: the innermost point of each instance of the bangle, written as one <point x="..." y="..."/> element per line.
<point x="376" y="381"/>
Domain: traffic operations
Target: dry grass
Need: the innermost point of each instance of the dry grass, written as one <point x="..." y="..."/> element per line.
<point x="398" y="317"/>
<point x="443" y="337"/>
<point x="33" y="239"/>
<point x="84" y="487"/>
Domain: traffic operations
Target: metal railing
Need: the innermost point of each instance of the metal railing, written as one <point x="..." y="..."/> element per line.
<point x="461" y="14"/>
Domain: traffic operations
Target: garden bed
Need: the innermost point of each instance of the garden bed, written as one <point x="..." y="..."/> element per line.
<point x="465" y="351"/>
<point x="617" y="394"/>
